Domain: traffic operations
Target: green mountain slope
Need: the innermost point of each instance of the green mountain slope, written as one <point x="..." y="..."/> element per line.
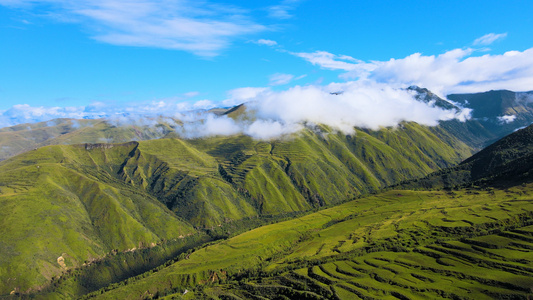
<point x="80" y="202"/>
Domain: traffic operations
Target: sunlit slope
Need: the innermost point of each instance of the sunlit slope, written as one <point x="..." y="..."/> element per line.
<point x="55" y="215"/>
<point x="210" y="181"/>
<point x="400" y="244"/>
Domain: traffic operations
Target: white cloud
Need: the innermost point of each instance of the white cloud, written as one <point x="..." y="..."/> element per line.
<point x="198" y="27"/>
<point x="191" y="94"/>
<point x="266" y="42"/>
<point x="488" y="39"/>
<point x="282" y="10"/>
<point x="209" y="125"/>
<point x="455" y="71"/>
<point x="245" y="94"/>
<point x="506" y="119"/>
<point x="330" y="61"/>
<point x="270" y="129"/>
<point x="363" y="104"/>
<point x="280" y="79"/>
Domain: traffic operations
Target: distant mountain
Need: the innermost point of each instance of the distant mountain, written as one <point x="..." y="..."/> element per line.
<point x="488" y="106"/>
<point x="495" y="114"/>
<point x="425" y="95"/>
<point x="24" y="137"/>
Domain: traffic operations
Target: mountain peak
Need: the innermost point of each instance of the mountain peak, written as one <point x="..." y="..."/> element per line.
<point x="425" y="95"/>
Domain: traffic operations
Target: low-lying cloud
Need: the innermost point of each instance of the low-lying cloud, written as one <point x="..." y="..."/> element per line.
<point x="362" y="104"/>
<point x="275" y="113"/>
<point x="506" y="119"/>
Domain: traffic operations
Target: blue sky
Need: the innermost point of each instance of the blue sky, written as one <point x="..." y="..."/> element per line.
<point x="71" y="56"/>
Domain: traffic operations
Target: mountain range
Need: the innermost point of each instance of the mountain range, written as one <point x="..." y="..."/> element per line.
<point x="79" y="216"/>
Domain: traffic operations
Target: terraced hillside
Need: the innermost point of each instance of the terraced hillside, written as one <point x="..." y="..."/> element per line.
<point x="81" y="202"/>
<point x="469" y="244"/>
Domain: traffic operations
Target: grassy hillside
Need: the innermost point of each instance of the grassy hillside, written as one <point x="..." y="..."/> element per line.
<point x="468" y="244"/>
<point x="78" y="203"/>
<point x="76" y="218"/>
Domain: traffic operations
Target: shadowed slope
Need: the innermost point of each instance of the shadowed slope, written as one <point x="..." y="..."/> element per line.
<point x="509" y="162"/>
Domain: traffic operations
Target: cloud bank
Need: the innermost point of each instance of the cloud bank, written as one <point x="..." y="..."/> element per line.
<point x="199" y="27"/>
<point x="362" y="104"/>
<point x="117" y="113"/>
<point x="276" y="113"/>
